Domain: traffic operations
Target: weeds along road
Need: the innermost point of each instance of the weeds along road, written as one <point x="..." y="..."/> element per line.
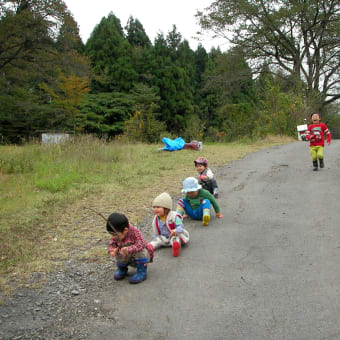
<point x="269" y="270"/>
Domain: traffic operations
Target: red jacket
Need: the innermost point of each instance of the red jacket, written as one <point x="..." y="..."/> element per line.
<point x="316" y="134"/>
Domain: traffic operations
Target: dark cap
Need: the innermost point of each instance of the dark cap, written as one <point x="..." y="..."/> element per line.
<point x="118" y="221"/>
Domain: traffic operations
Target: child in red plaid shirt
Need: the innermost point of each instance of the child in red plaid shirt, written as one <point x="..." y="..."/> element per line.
<point x="129" y="248"/>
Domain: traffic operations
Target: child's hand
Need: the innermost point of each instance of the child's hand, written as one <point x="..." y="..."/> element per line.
<point x="124" y="251"/>
<point x="219" y="215"/>
<point x="173" y="233"/>
<point x="184" y="216"/>
<point x="204" y="177"/>
<point x="114" y="252"/>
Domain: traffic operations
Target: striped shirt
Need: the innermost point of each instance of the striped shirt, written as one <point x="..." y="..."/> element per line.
<point x="316" y="134"/>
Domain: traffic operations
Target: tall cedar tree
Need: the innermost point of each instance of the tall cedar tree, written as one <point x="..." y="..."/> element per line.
<point x="136" y="34"/>
<point x="111" y="57"/>
<point x="174" y="85"/>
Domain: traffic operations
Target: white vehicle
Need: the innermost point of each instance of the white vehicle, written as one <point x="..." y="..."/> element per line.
<point x="301" y="130"/>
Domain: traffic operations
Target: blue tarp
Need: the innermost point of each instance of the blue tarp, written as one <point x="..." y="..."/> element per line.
<point x="173" y="144"/>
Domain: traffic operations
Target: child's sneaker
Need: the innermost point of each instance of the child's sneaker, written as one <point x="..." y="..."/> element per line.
<point x="216" y="192"/>
<point x="206" y="220"/>
<point x="176" y="247"/>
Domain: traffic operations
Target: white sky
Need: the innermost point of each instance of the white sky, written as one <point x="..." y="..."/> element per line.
<point x="155" y="16"/>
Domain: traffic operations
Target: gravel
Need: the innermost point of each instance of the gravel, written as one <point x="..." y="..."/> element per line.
<point x="59" y="309"/>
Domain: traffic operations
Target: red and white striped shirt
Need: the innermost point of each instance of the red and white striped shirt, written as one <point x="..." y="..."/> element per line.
<point x="316" y="134"/>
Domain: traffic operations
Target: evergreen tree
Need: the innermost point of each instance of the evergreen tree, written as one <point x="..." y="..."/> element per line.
<point x="143" y="125"/>
<point x="141" y="50"/>
<point x="174" y="86"/>
<point x="204" y="99"/>
<point x="111" y="57"/>
<point x="104" y="114"/>
<point x="71" y="58"/>
<point x="136" y="35"/>
<point x="201" y="60"/>
<point x="68" y="37"/>
<point x="229" y="79"/>
<point x="173" y="41"/>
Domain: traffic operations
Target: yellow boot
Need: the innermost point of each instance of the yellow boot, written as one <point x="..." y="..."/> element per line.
<point x="206" y="217"/>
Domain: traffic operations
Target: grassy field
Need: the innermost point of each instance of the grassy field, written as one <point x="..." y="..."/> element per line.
<point x="46" y="189"/>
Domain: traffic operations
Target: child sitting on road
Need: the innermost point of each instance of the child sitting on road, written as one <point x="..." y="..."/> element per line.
<point x="167" y="225"/>
<point x="129" y="248"/>
<point x="316" y="135"/>
<point x="197" y="202"/>
<point x="206" y="176"/>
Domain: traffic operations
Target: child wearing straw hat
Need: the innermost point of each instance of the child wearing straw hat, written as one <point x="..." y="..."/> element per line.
<point x="167" y="225"/>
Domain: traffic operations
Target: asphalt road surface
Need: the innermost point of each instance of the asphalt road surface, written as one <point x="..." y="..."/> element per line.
<point x="269" y="270"/>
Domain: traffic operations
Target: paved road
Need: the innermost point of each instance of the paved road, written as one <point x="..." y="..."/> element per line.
<point x="269" y="270"/>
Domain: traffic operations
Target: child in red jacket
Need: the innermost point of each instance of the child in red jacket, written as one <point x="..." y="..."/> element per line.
<point x="316" y="135"/>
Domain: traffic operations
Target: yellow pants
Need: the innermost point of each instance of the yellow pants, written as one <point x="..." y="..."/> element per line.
<point x="316" y="152"/>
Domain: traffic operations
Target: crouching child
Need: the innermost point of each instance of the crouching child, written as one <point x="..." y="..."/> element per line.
<point x="129" y="248"/>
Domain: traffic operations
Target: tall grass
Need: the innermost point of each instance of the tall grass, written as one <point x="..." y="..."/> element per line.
<point x="40" y="183"/>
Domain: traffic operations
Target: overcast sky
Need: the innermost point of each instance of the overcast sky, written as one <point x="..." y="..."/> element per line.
<point x="155" y="16"/>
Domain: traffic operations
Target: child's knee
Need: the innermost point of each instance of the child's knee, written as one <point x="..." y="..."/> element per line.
<point x="123" y="259"/>
<point x="144" y="254"/>
<point x="206" y="204"/>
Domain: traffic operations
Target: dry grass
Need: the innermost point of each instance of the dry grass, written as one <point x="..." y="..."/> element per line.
<point x="41" y="228"/>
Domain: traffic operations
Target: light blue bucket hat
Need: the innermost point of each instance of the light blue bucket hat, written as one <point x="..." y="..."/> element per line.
<point x="190" y="184"/>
